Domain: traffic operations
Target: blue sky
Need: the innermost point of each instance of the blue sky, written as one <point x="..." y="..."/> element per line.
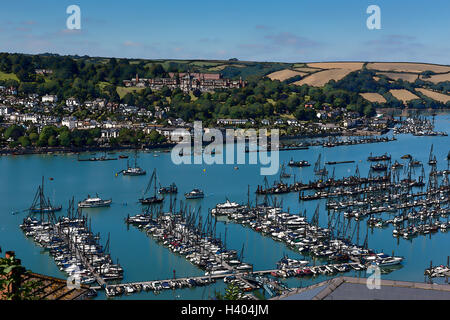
<point x="284" y="30"/>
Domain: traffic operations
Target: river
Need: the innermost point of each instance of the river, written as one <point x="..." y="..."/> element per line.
<point x="143" y="259"/>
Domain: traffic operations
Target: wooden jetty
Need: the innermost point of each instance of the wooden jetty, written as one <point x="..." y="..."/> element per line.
<point x="238" y="275"/>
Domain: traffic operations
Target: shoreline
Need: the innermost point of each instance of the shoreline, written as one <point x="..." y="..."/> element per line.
<point x="164" y="146"/>
<point x="168" y="145"/>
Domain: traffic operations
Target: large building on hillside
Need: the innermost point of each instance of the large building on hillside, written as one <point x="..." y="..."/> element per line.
<point x="205" y="82"/>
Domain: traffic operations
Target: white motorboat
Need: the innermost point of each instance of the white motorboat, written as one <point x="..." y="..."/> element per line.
<point x="195" y="194"/>
<point x="95" y="202"/>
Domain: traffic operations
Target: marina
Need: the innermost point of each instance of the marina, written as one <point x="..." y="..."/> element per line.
<point x="74" y="247"/>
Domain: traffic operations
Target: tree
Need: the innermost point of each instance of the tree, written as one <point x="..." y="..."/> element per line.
<point x="155" y="137"/>
<point x="11" y="285"/>
<point x="14" y="132"/>
<point x="52" y="141"/>
<point x="232" y="292"/>
<point x="47" y="132"/>
<point x="64" y="138"/>
<point x="166" y="92"/>
<point x="24" y="141"/>
<point x="42" y="142"/>
<point x="369" y="110"/>
<point x="34" y="137"/>
<point x="197" y="93"/>
<point x="129" y="99"/>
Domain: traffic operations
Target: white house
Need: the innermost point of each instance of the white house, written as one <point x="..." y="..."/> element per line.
<point x="349" y="123"/>
<point x="72" y="102"/>
<point x="30" y="117"/>
<point x="110" y="133"/>
<point x="4" y="110"/>
<point x="69" y="122"/>
<point x="232" y="121"/>
<point x="173" y="134"/>
<point x="292" y="122"/>
<point x="49" y="98"/>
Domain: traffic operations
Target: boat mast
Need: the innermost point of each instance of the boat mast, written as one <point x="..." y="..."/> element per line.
<point x="154" y="171"/>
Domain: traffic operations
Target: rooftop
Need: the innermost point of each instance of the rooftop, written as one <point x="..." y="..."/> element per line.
<point x="349" y="288"/>
<point x="51" y="288"/>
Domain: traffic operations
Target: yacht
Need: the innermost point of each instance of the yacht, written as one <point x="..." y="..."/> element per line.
<point x="134" y="171"/>
<point x="170" y="189"/>
<point x="154" y="198"/>
<point x="95" y="202"/>
<point x="396" y="165"/>
<point x="195" y="194"/>
<point x="301" y="163"/>
<point x="41" y="204"/>
<point x="379" y="167"/>
<point x="385" y="261"/>
<point x="383" y="157"/>
<point x="226" y="208"/>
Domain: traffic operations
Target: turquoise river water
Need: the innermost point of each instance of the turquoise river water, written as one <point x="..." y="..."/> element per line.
<point x="143" y="259"/>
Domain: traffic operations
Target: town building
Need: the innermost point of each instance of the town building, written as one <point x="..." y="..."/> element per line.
<point x="205" y="82"/>
<point x="50" y="98"/>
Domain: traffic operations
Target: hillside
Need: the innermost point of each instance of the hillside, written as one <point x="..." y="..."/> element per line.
<point x="392" y="83"/>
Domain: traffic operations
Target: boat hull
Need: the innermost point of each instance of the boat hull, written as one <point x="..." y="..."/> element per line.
<point x="150" y="200"/>
<point x="46" y="210"/>
<point x="106" y="203"/>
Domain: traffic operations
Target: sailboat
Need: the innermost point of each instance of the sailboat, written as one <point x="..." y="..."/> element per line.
<point x="153" y="199"/>
<point x="170" y="189"/>
<point x="41" y="204"/>
<point x="396" y="165"/>
<point x="284" y="174"/>
<point x="318" y="170"/>
<point x="432" y="159"/>
<point x="134" y="171"/>
<point x="301" y="163"/>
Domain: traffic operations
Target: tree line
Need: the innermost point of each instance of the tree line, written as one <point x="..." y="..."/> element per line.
<point x="51" y="136"/>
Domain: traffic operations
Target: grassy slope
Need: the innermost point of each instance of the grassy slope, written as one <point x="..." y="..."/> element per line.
<point x="8" y="76"/>
<point x="122" y="91"/>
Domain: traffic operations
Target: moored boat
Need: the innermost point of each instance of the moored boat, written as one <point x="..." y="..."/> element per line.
<point x="226" y="208"/>
<point x="301" y="163"/>
<point x="194" y="194"/>
<point x="384" y="157"/>
<point x="41" y="204"/>
<point x="134" y="171"/>
<point x="154" y="198"/>
<point x="170" y="189"/>
<point x="379" y="167"/>
<point x="96" y="202"/>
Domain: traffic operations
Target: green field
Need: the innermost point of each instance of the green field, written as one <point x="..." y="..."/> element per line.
<point x="8" y="76"/>
<point x="204" y="64"/>
<point x="122" y="91"/>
